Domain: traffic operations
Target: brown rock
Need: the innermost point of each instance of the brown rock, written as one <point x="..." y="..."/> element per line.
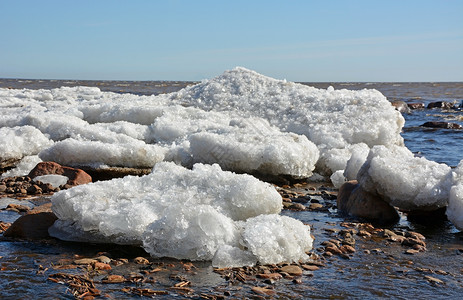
<point x="2" y="188"/>
<point x="310" y="267"/>
<point x="291" y="270"/>
<point x="141" y="261"/>
<point x="76" y="176"/>
<point x="34" y="189"/>
<point x="101" y="266"/>
<point x="262" y="291"/>
<point x="33" y="225"/>
<point x="18" y="207"/>
<point x="273" y="276"/>
<point x="114" y="279"/>
<point x="85" y="261"/>
<point x="353" y="200"/>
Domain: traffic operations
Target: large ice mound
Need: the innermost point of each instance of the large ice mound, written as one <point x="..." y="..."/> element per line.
<point x="182" y="213"/>
<point x="404" y="180"/>
<point x="332" y="119"/>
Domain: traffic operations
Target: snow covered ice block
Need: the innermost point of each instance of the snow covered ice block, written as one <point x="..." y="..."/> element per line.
<point x="455" y="208"/>
<point x="406" y="181"/>
<point x="182" y="213"/>
<point x="72" y="152"/>
<point x="332" y="119"/>
<point x="20" y="141"/>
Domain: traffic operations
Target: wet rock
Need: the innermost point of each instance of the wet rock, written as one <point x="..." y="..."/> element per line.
<point x="310" y="267"/>
<point x="2" y="188"/>
<point x="18" y="207"/>
<point x="297" y="206"/>
<point x="433" y="279"/>
<point x="76" y="176"/>
<point x="85" y="261"/>
<point x="34" y="189"/>
<point x="291" y="270"/>
<point x="315" y="206"/>
<point x="416" y="105"/>
<point x="33" y="225"/>
<point x="356" y="202"/>
<point x="101" y="266"/>
<point x="273" y="276"/>
<point x="445" y="125"/>
<point x="103" y="259"/>
<point x="401" y="106"/>
<point x="114" y="279"/>
<point x="262" y="291"/>
<point x="141" y="261"/>
<point x="441" y="104"/>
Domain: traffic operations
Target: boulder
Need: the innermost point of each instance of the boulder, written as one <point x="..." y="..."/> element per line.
<point x="401" y="106"/>
<point x="76" y="176"/>
<point x="416" y="105"/>
<point x="33" y="225"/>
<point x="446" y="125"/>
<point x="441" y="104"/>
<point x="356" y="202"/>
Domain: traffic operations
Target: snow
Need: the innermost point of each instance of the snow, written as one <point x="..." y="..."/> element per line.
<point x="186" y="214"/>
<point x="404" y="180"/>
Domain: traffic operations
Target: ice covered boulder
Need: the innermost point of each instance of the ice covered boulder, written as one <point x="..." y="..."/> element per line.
<point x="72" y="152"/>
<point x="17" y="142"/>
<point x="455" y="208"/>
<point x="332" y="119"/>
<point x="405" y="181"/>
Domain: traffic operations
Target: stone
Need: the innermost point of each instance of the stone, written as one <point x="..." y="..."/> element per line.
<point x="291" y="270"/>
<point x="103" y="259"/>
<point x="262" y="291"/>
<point x="401" y="106"/>
<point x="356" y="202"/>
<point x="101" y="266"/>
<point x="2" y="188"/>
<point x="18" y="207"/>
<point x="416" y="105"/>
<point x="76" y="176"/>
<point x="34" y="224"/>
<point x="310" y="267"/>
<point x="85" y="261"/>
<point x="141" y="261"/>
<point x="273" y="276"/>
<point x="441" y="104"/>
<point x="445" y="125"/>
<point x="114" y="279"/>
<point x="34" y="189"/>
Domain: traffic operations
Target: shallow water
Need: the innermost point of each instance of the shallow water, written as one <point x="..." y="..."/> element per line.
<point x="386" y="274"/>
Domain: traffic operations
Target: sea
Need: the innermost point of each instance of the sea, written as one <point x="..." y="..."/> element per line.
<point x="384" y="274"/>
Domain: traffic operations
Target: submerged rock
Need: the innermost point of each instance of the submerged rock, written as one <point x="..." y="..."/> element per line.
<point x="401" y="106"/>
<point x="33" y="225"/>
<point x="441" y="104"/>
<point x="446" y="125"/>
<point x="356" y="202"/>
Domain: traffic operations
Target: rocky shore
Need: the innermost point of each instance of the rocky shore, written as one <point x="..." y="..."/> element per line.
<point x="342" y="244"/>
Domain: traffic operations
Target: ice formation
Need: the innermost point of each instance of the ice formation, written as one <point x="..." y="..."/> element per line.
<point x="53" y="179"/>
<point x="332" y="119"/>
<point x="404" y="180"/>
<point x="193" y="214"/>
<point x="20" y="141"/>
<point x="455" y="208"/>
<point x="24" y="167"/>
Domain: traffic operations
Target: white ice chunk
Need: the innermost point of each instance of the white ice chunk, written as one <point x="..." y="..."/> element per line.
<point x="338" y="179"/>
<point x="455" y="208"/>
<point x="24" y="167"/>
<point x="357" y="159"/>
<point x="18" y="142"/>
<point x="274" y="238"/>
<point x="405" y="181"/>
<point x="228" y="256"/>
<point x="53" y="179"/>
<point x="71" y="152"/>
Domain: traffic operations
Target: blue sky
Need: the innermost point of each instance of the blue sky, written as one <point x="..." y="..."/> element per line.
<point x="394" y="40"/>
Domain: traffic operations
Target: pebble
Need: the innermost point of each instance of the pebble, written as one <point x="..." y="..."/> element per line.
<point x="297" y="206"/>
<point x="103" y="259"/>
<point x="141" y="261"/>
<point x="262" y="291"/>
<point x="433" y="279"/>
<point x="315" y="206"/>
<point x="291" y="270"/>
<point x="85" y="261"/>
<point x="114" y="279"/>
<point x="310" y="267"/>
<point x="101" y="266"/>
<point x="411" y="251"/>
<point x="273" y="276"/>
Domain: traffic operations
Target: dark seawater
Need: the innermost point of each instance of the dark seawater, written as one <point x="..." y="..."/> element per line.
<point x="390" y="274"/>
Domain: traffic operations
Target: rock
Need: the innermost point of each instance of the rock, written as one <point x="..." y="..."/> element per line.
<point x="100" y="266"/>
<point x="356" y="202"/>
<point x="18" y="207"/>
<point x="417" y="105"/>
<point x="34" y="189"/>
<point x="297" y="206"/>
<point x="401" y="106"/>
<point x="441" y="104"/>
<point x="114" y="172"/>
<point x="2" y="188"/>
<point x="141" y="261"/>
<point x="114" y="279"/>
<point x="273" y="276"/>
<point x="315" y="206"/>
<point x="262" y="291"/>
<point x="76" y="176"/>
<point x="310" y="267"/>
<point x="291" y="270"/>
<point x="85" y="261"/>
<point x="103" y="259"/>
<point x="34" y="224"/>
<point x="445" y="125"/>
